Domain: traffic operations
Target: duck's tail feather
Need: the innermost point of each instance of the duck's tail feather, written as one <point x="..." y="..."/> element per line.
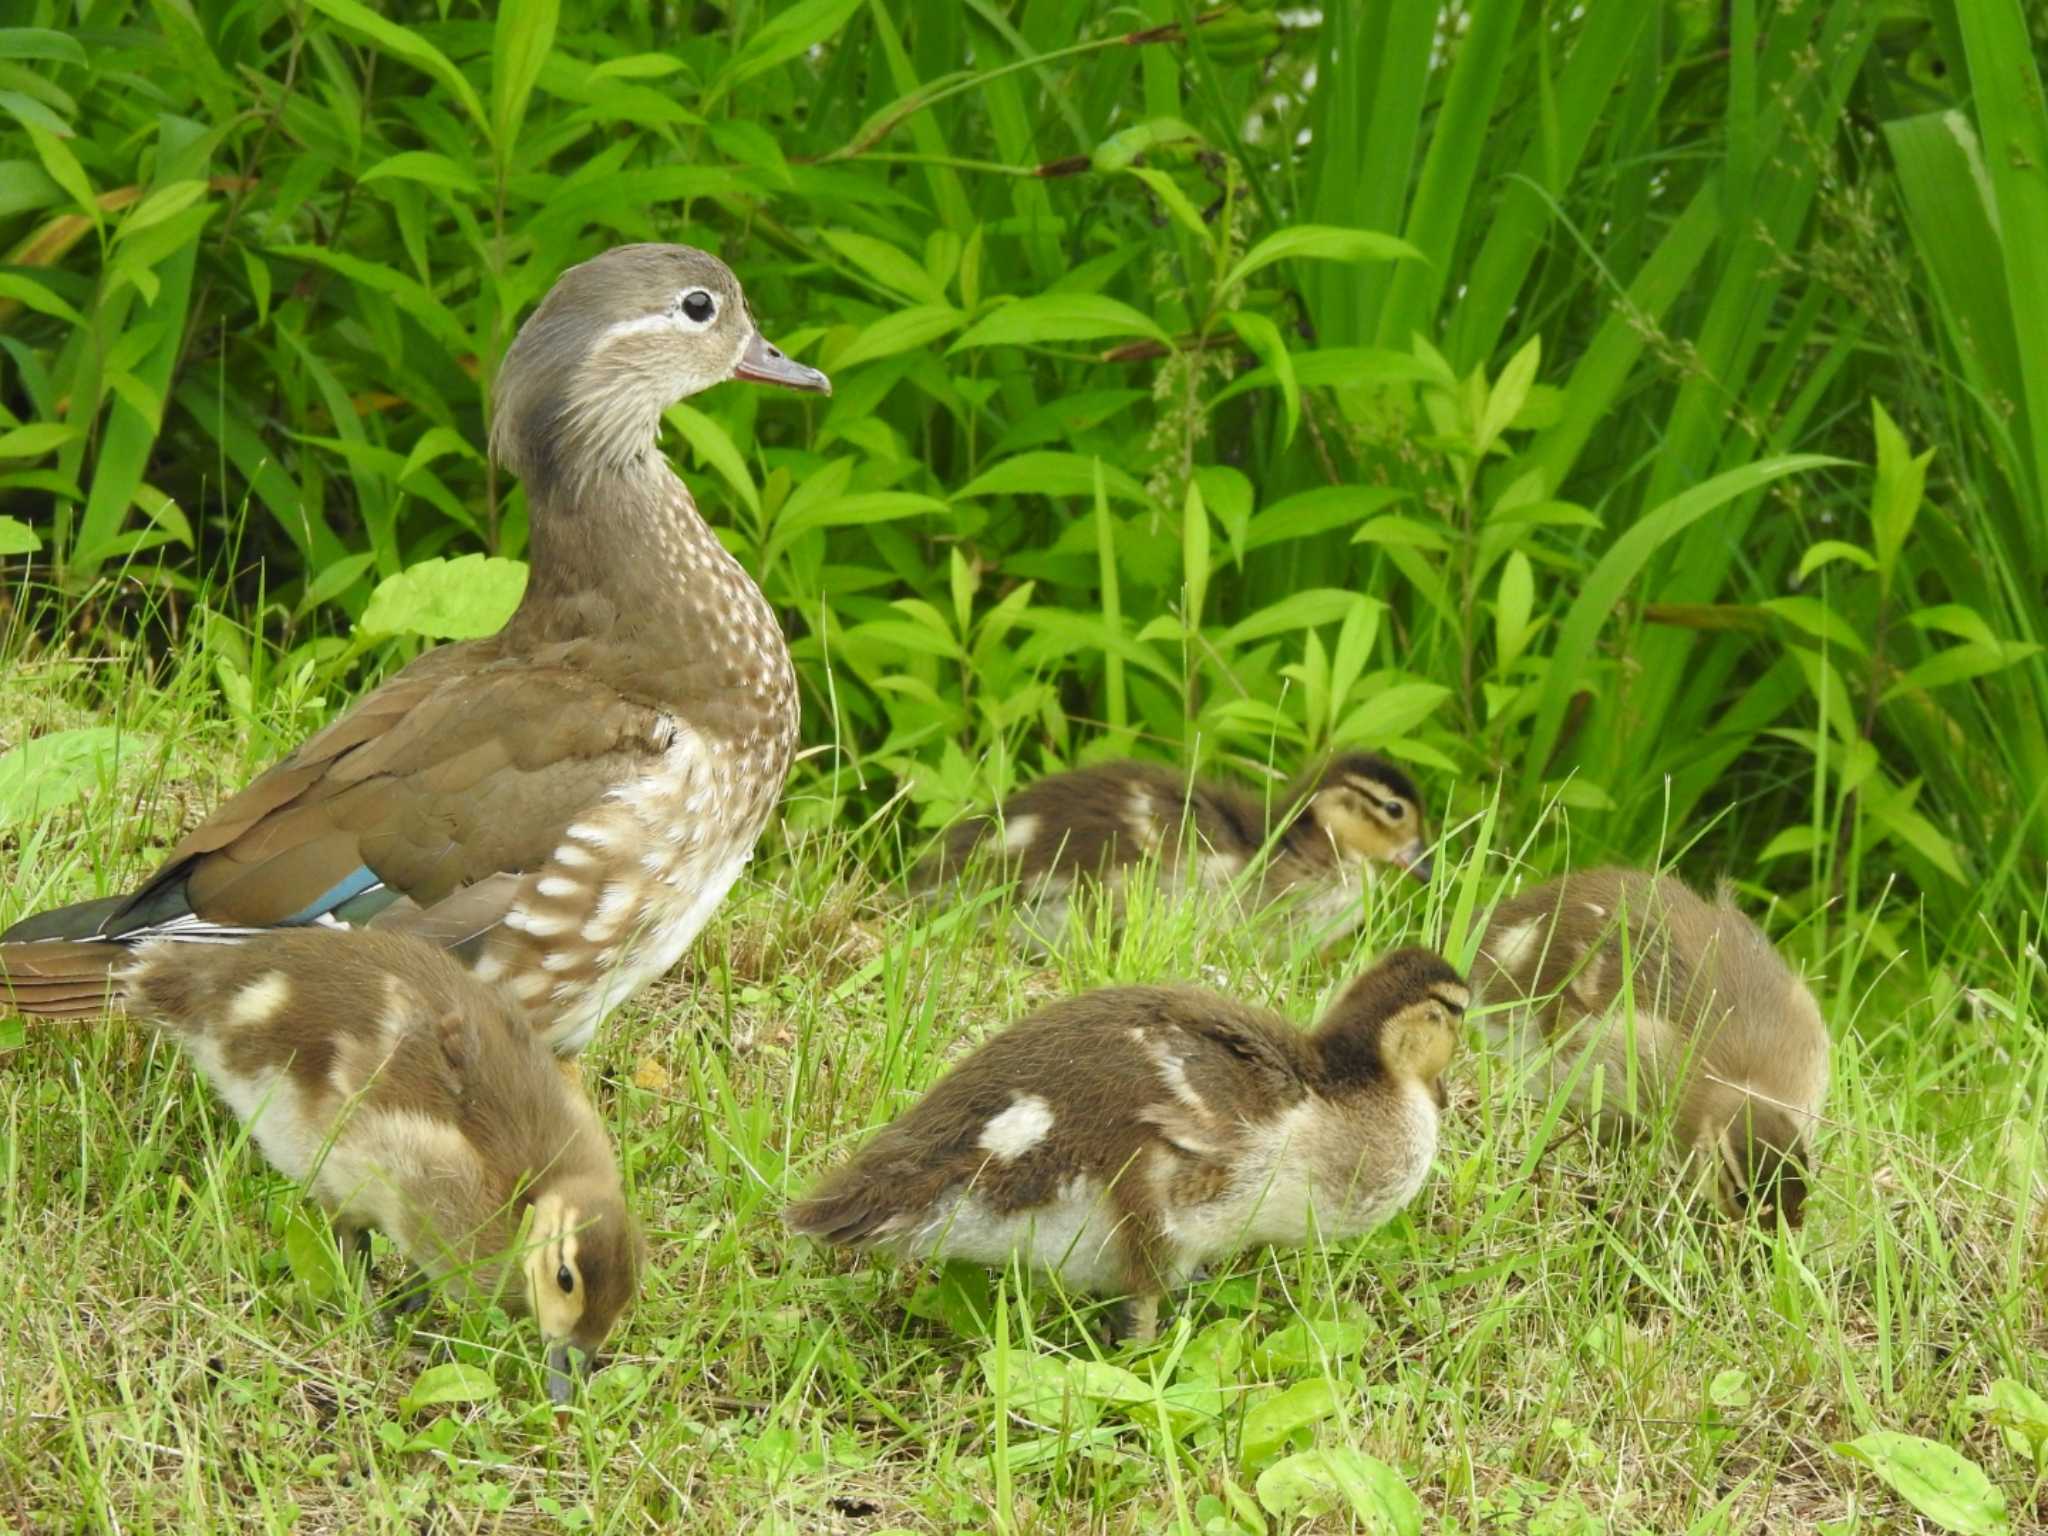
<point x="59" y="978"/>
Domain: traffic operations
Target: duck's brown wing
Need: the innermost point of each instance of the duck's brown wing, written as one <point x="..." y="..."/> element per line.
<point x="461" y="769"/>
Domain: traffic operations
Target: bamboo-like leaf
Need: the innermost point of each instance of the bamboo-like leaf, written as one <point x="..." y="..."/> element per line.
<point x="404" y="43"/>
<point x="787" y="33"/>
<point x="904" y="331"/>
<point x="1050" y="317"/>
<point x="1604" y="585"/>
<point x="1319" y="242"/>
<point x="520" y="41"/>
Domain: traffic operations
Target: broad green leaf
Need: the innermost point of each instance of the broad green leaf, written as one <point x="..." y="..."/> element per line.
<point x="404" y="43"/>
<point x="1176" y="202"/>
<point x="1322" y="510"/>
<point x="787" y="33"/>
<point x="37" y="118"/>
<point x="1817" y="619"/>
<point x="1960" y="663"/>
<point x="1826" y="551"/>
<point x="166" y="202"/>
<point x="1514" y="598"/>
<point x="1958" y="619"/>
<point x="1049" y="474"/>
<point x="2021" y="1415"/>
<point x="1793" y="841"/>
<point x="889" y="265"/>
<point x="1895" y="499"/>
<point x="846" y="512"/>
<point x="460" y="599"/>
<point x="520" y="41"/>
<point x="1309" y="1343"/>
<point x="1391" y="713"/>
<point x="1321" y="1482"/>
<point x="903" y="331"/>
<point x="41" y="43"/>
<point x="63" y="167"/>
<point x="47" y="773"/>
<point x="1194" y="554"/>
<point x="31" y="294"/>
<point x="1945" y="1486"/>
<point x="314" y="1256"/>
<point x="425" y="167"/>
<point x="1603" y="587"/>
<point x="1271" y="1420"/>
<point x="1263" y="337"/>
<point x="453" y="1382"/>
<point x="713" y="445"/>
<point x="1298" y="610"/>
<point x="1057" y="1390"/>
<point x="36" y="439"/>
<point x="407" y="293"/>
<point x="1509" y="394"/>
<point x="1050" y="317"/>
<point x="1319" y="242"/>
<point x="17" y="538"/>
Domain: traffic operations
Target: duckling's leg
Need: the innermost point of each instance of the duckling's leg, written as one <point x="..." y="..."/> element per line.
<point x="1135" y="1319"/>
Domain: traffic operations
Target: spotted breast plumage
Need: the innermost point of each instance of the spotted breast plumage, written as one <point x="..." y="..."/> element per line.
<point x="564" y="803"/>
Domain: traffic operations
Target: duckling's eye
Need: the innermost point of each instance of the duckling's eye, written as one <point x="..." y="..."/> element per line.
<point x="1394" y="808"/>
<point x="698" y="306"/>
<point x="565" y="1277"/>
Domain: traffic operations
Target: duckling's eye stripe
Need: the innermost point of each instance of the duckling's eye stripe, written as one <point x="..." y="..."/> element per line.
<point x="1456" y="1003"/>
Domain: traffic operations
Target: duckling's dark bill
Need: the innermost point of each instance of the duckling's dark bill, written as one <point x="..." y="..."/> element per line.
<point x="764" y="363"/>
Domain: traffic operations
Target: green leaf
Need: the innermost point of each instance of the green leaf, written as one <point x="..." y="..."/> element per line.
<point x="2021" y="1415"/>
<point x="1603" y="587"/>
<point x="519" y="47"/>
<point x="41" y="43"/>
<point x="47" y="773"/>
<point x="33" y="295"/>
<point x="453" y="1382"/>
<point x="1319" y="242"/>
<point x="408" y="45"/>
<point x="1946" y="1487"/>
<point x="1514" y="599"/>
<point x="1119" y="150"/>
<point x="423" y="166"/>
<point x="1829" y="550"/>
<point x="1895" y="499"/>
<point x="1960" y="663"/>
<point x="1049" y="474"/>
<point x="36" y="439"/>
<point x="1056" y="1390"/>
<point x="787" y="33"/>
<point x="1049" y="317"/>
<point x="1176" y="202"/>
<point x="37" y="118"/>
<point x="1309" y="1343"/>
<point x="880" y="262"/>
<point x="1322" y="510"/>
<point x="1392" y="713"/>
<point x="903" y="331"/>
<point x="846" y="512"/>
<point x="1298" y="610"/>
<point x="1270" y="1421"/>
<point x="64" y="168"/>
<point x="713" y="445"/>
<point x="17" y="538"/>
<point x="1817" y="619"/>
<point x="315" y="1257"/>
<point x="1320" y="1482"/>
<point x="1194" y="555"/>
<point x="1263" y="337"/>
<point x="1509" y="394"/>
<point x="166" y="202"/>
<point x="460" y="599"/>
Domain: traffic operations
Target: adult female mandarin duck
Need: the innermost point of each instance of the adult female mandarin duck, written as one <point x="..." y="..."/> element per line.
<point x="564" y="803"/>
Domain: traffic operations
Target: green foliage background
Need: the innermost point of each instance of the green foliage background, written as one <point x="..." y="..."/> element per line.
<point x="1541" y="393"/>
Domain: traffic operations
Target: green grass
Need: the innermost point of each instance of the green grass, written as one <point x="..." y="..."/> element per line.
<point x="1548" y="1341"/>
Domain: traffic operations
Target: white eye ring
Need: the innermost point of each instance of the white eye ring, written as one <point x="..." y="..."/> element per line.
<point x="696" y="307"/>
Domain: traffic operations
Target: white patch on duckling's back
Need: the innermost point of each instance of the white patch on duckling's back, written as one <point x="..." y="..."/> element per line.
<point x="260" y="1001"/>
<point x="1018" y="832"/>
<point x="1512" y="950"/>
<point x="1012" y="1132"/>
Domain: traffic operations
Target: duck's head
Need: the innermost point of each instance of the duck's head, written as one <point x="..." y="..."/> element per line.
<point x="1368" y="811"/>
<point x="1399" y="1021"/>
<point x="581" y="1268"/>
<point x="1761" y="1165"/>
<point x="617" y="341"/>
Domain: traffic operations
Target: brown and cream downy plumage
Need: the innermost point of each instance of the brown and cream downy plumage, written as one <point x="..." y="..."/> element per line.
<point x="407" y="1096"/>
<point x="1683" y="1006"/>
<point x="563" y="803"/>
<point x="1313" y="848"/>
<point x="1124" y="1137"/>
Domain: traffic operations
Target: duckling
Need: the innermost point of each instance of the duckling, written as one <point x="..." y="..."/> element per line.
<point x="411" y="1098"/>
<point x="1313" y="849"/>
<point x="1725" y="1034"/>
<point x="1125" y="1137"/>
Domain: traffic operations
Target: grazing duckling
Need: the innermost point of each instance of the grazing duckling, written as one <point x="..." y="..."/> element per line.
<point x="1725" y="1034"/>
<point x="409" y="1097"/>
<point x="1122" y="1138"/>
<point x="1318" y="841"/>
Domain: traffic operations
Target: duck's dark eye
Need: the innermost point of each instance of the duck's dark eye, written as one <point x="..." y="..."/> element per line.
<point x="565" y="1277"/>
<point x="1395" y="809"/>
<point x="699" y="306"/>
